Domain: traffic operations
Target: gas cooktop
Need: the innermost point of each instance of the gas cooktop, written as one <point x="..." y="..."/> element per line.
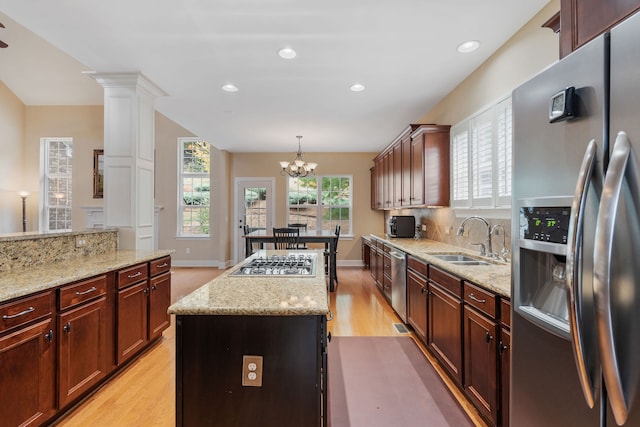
<point x="293" y="264"/>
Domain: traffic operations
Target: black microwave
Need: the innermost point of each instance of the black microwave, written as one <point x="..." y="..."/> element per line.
<point x="402" y="226"/>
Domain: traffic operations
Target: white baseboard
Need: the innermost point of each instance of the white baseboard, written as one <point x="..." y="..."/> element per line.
<point x="350" y="263"/>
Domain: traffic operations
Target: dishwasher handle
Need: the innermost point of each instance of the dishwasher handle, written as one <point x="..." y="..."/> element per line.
<point x="398" y="255"/>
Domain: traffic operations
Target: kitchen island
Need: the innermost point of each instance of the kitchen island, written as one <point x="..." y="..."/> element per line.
<point x="251" y="349"/>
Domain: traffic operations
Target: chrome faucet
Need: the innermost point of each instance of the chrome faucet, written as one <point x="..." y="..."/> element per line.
<point x="489" y="250"/>
<point x="503" y="251"/>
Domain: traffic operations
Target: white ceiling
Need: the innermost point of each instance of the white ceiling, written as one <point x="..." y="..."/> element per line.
<point x="403" y="51"/>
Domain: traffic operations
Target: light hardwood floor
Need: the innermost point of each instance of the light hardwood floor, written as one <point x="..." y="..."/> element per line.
<point x="143" y="394"/>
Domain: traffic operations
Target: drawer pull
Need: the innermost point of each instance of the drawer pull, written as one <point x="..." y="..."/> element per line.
<point x="131" y="276"/>
<point x="88" y="291"/>
<point x="22" y="313"/>
<point x="162" y="265"/>
<point x="472" y="297"/>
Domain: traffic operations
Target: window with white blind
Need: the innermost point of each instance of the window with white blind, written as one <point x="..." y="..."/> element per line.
<point x="194" y="191"/>
<point x="460" y="166"/>
<point x="56" y="166"/>
<point x="481" y="159"/>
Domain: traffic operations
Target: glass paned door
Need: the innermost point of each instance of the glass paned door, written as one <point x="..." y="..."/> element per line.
<point x="254" y="210"/>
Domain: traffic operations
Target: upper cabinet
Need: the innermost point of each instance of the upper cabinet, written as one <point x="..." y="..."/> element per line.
<point x="583" y="20"/>
<point x="413" y="171"/>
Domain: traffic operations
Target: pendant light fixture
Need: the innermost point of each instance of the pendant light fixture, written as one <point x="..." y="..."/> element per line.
<point x="298" y="168"/>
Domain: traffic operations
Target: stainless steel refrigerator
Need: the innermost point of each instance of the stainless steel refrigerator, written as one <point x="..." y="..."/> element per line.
<point x="575" y="356"/>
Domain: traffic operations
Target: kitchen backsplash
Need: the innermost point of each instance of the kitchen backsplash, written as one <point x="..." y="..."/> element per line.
<point x="442" y="226"/>
<point x="22" y="250"/>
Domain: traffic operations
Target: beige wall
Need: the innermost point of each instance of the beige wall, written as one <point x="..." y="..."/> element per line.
<point x="528" y="52"/>
<point x="12" y="119"/>
<point x="82" y="123"/>
<point x="365" y="221"/>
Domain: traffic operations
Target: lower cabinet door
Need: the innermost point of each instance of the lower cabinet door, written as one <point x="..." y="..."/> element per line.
<point x="159" y="302"/>
<point x="481" y="364"/>
<point x="132" y="320"/>
<point x="27" y="372"/>
<point x="445" y="329"/>
<point x="417" y="304"/>
<point x="82" y="351"/>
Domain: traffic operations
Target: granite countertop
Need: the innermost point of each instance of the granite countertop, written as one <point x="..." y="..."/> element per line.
<point x="259" y="295"/>
<point x="22" y="282"/>
<point x="495" y="277"/>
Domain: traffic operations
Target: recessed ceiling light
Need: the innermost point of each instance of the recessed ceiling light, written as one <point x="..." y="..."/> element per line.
<point x="287" y="53"/>
<point x="357" y="87"/>
<point x="468" y="46"/>
<point x="229" y="88"/>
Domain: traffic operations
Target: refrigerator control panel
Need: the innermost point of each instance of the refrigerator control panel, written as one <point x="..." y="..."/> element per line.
<point x="545" y="224"/>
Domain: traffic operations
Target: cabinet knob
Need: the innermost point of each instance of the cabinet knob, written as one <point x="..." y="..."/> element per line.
<point x="502" y="347"/>
<point x="67" y="327"/>
<point x="146" y="291"/>
<point x="49" y="336"/>
<point x="488" y="337"/>
<point x="423" y="290"/>
<point x="154" y="288"/>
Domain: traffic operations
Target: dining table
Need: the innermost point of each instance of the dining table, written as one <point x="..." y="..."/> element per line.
<point x="326" y="237"/>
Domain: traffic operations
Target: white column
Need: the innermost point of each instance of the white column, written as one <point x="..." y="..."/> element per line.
<point x="129" y="142"/>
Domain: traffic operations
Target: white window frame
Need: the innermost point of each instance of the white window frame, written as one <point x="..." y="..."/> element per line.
<point x="465" y="164"/>
<point x="181" y="205"/>
<point x="319" y="206"/>
<point x="45" y="176"/>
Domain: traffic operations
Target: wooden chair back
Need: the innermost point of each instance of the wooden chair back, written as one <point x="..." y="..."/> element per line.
<point x="286" y="238"/>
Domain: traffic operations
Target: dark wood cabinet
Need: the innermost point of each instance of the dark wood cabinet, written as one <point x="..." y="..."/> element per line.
<point x="132" y="321"/>
<point x="366" y="253"/>
<point x="27" y="362"/>
<point x="142" y="306"/>
<point x="480" y="362"/>
<point x="397" y="175"/>
<point x="417" y="291"/>
<point x="434" y="176"/>
<point x="209" y="366"/>
<point x="444" y="336"/>
<point x="83" y="360"/>
<point x="504" y="354"/>
<point x="413" y="170"/>
<point x="583" y="20"/>
<point x="61" y="344"/>
<point x="159" y="296"/>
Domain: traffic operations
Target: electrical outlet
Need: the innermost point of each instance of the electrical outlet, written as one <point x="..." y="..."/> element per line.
<point x="188" y="250"/>
<point x="424" y="227"/>
<point x="251" y="371"/>
<point x="447" y="230"/>
<point x="80" y="242"/>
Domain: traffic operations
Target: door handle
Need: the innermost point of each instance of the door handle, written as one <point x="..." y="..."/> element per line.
<point x="589" y="173"/>
<point x="621" y="166"/>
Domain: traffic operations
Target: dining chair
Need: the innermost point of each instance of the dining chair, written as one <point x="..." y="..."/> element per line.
<point x="330" y="268"/>
<point x="300" y="226"/>
<point x="286" y="238"/>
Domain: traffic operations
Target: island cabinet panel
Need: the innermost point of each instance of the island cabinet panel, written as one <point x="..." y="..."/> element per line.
<point x="28" y="374"/>
<point x="445" y="320"/>
<point x="209" y="370"/>
<point x="83" y="360"/>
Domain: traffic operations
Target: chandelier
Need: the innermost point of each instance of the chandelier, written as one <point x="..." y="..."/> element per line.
<point x="298" y="168"/>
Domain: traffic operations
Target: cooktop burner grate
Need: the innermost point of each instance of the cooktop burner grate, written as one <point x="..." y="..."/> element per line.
<point x="292" y="265"/>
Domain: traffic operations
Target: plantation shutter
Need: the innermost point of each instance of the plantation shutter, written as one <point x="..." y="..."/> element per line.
<point x="460" y="166"/>
<point x="482" y="159"/>
<point x="503" y="146"/>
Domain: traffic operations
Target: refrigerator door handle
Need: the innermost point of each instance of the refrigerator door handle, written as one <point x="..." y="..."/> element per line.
<point x="622" y="165"/>
<point x="590" y="173"/>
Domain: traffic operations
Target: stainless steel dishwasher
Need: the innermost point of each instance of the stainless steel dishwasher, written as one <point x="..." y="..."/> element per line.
<point x="399" y="283"/>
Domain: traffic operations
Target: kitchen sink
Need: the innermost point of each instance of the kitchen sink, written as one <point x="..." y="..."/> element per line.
<point x="461" y="259"/>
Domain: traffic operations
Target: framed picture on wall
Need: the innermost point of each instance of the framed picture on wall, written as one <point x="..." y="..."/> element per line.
<point x="98" y="174"/>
